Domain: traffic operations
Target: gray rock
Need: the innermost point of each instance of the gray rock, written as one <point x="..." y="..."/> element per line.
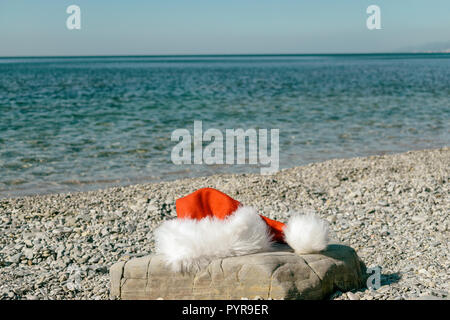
<point x="419" y="218"/>
<point x="28" y="243"/>
<point x="28" y="253"/>
<point x="352" y="296"/>
<point x="15" y="258"/>
<point x="281" y="274"/>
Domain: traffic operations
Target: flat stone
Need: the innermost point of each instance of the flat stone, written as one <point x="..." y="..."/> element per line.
<point x="279" y="274"/>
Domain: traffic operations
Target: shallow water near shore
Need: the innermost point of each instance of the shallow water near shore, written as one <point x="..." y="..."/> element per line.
<point x="75" y="124"/>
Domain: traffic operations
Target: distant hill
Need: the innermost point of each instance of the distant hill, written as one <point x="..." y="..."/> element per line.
<point x="441" y="47"/>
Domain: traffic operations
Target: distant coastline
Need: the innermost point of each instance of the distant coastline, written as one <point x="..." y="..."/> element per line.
<point x="219" y="55"/>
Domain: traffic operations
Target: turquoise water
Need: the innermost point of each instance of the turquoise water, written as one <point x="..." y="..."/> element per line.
<point x="69" y="124"/>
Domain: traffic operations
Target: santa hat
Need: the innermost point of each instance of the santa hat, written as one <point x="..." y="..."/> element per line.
<point x="212" y="225"/>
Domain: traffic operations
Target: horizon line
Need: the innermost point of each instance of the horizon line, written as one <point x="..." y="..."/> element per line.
<point x="221" y="55"/>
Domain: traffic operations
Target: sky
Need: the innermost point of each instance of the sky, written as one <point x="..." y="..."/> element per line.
<point x="138" y="27"/>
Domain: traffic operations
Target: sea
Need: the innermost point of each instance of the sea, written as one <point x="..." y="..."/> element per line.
<point x="72" y="124"/>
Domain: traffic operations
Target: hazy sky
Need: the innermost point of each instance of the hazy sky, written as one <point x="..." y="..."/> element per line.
<point x="30" y="27"/>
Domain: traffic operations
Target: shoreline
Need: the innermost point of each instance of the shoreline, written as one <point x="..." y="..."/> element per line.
<point x="392" y="209"/>
<point x="99" y="185"/>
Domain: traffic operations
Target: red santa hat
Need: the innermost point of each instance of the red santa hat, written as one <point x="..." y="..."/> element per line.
<point x="212" y="225"/>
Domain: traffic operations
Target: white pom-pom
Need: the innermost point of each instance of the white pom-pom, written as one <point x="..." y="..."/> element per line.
<point x="306" y="234"/>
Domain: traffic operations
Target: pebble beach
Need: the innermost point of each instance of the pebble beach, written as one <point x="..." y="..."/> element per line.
<point x="392" y="209"/>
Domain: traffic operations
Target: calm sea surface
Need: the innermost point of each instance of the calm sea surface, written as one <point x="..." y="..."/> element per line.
<point x="69" y="124"/>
